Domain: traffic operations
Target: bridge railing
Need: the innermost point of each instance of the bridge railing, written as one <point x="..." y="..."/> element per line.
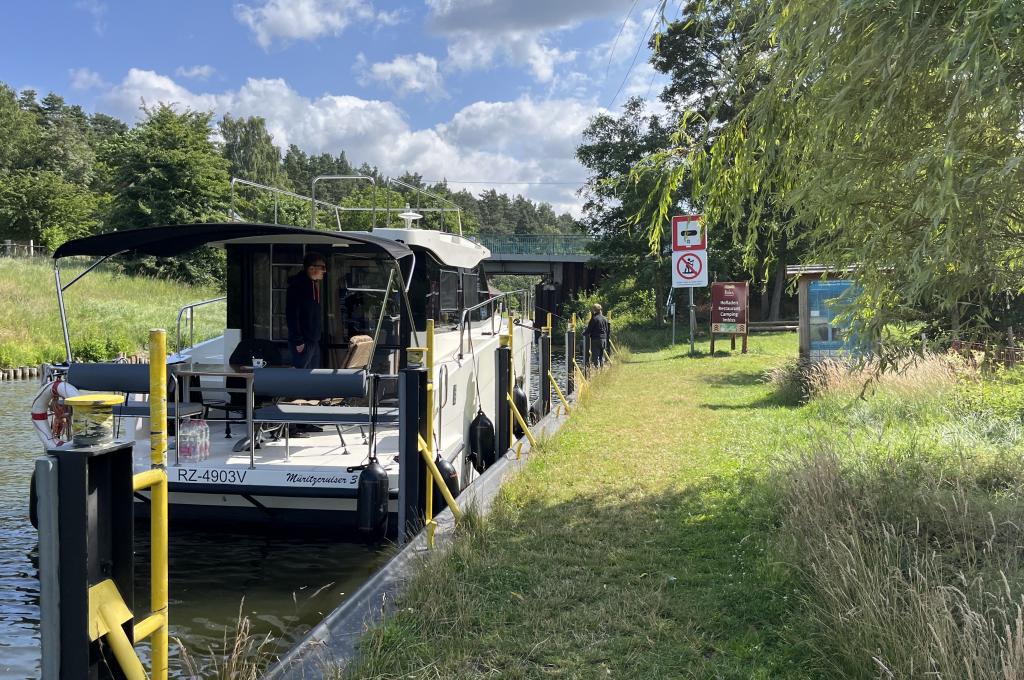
<point x="535" y="244"/>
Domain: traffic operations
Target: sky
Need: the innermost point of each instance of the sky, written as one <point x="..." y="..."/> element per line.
<point x="483" y="93"/>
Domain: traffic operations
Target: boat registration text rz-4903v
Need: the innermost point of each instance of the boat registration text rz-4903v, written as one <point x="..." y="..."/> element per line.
<point x="211" y="476"/>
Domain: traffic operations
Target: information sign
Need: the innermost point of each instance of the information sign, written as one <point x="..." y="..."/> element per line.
<point x="729" y="302"/>
<point x="688" y="233"/>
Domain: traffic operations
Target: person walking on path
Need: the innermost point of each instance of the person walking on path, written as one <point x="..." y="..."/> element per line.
<point x="304" y="313"/>
<point x="598" y="330"/>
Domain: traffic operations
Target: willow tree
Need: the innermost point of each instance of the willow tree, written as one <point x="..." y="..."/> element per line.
<point x="890" y="136"/>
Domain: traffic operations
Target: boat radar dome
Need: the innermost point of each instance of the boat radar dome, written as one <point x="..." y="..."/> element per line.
<point x="409" y="216"/>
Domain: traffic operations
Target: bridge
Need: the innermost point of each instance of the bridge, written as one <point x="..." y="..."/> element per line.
<point x="563" y="260"/>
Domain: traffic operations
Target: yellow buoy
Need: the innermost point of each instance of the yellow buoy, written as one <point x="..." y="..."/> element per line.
<point x="92" y="419"/>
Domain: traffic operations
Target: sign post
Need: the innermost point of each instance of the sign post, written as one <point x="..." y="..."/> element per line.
<point x="729" y="303"/>
<point x="689" y="261"/>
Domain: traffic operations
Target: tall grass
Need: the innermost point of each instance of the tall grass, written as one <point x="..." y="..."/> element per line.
<point x="906" y="534"/>
<point x="107" y="313"/>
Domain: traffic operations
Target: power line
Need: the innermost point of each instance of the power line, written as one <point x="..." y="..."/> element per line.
<point x="615" y="42"/>
<point x="643" y="41"/>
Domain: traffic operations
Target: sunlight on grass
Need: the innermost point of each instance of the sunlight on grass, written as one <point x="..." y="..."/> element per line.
<point x="107" y="313"/>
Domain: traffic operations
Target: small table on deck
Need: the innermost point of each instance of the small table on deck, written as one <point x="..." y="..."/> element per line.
<point x="201" y="370"/>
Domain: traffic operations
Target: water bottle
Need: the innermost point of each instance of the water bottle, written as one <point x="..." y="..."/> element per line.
<point x="184" y="453"/>
<point x="204" y="433"/>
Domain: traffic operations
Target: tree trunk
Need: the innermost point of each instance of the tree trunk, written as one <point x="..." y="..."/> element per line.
<point x="779" y="284"/>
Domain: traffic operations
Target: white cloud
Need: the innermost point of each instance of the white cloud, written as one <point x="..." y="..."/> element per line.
<point x="405" y="74"/>
<point x="202" y="72"/>
<point x="86" y="79"/>
<point x="523" y="140"/>
<point x="304" y="19"/>
<point x="96" y="10"/>
<point x="502" y="15"/>
<point x="469" y="51"/>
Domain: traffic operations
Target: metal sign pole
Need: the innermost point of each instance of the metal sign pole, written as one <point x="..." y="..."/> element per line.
<point x="693" y="320"/>
<point x="673" y="307"/>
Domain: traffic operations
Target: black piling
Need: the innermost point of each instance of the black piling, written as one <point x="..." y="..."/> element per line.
<point x="570" y="354"/>
<point x="502" y="409"/>
<point x="412" y="475"/>
<point x="545" y="372"/>
<point x="89" y="507"/>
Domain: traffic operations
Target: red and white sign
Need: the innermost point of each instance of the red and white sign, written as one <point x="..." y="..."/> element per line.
<point x="688" y="233"/>
<point x="689" y="269"/>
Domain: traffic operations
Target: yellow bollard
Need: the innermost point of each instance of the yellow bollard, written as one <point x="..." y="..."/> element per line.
<point x="158" y="496"/>
<point x="431" y="525"/>
<point x="558" y="389"/>
<point x="439" y="480"/>
<point x="521" y="421"/>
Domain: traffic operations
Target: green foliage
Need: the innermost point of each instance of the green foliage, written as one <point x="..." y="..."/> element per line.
<point x="249" y="149"/>
<point x="46" y="208"/>
<point x="888" y="137"/>
<point x="167" y="171"/>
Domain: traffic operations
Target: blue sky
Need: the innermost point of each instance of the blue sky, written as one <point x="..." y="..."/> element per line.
<point x="491" y="91"/>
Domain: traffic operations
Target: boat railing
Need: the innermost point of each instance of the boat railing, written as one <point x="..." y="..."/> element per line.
<point x="277" y="193"/>
<point x="524" y="296"/>
<point x="188" y="311"/>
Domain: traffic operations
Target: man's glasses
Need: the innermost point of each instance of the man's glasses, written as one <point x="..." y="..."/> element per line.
<point x="321" y="267"/>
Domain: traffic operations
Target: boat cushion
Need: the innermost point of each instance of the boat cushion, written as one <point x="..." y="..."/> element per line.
<point x="111" y="377"/>
<point x="140" y="409"/>
<point x="316" y="383"/>
<point x="322" y="415"/>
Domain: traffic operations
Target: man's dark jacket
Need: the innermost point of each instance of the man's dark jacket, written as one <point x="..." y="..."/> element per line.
<point x="598" y="328"/>
<point x="303" y="311"/>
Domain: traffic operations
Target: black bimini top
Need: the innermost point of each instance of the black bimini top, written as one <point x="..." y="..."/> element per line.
<point x="175" y="239"/>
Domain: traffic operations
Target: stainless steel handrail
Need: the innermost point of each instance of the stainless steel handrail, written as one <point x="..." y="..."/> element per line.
<point x="276" y="191"/>
<point x="190" y="308"/>
<point x="467" y="322"/>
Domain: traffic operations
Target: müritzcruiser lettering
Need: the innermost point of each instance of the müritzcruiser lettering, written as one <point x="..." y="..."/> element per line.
<point x="316" y="480"/>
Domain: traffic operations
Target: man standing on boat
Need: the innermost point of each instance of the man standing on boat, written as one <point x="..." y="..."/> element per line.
<point x="304" y="313"/>
<point x="598" y="330"/>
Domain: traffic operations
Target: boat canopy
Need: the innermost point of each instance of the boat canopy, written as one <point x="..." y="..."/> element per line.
<point x="175" y="239"/>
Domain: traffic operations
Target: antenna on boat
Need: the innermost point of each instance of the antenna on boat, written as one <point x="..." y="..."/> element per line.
<point x="409" y="216"/>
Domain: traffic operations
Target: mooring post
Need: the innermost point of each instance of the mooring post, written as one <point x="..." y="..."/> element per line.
<point x="570" y="354"/>
<point x="502" y="387"/>
<point x="86" y="523"/>
<point x="412" y="424"/>
<point x="545" y="371"/>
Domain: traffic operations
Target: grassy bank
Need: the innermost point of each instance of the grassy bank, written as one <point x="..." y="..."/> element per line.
<point x="697" y="520"/>
<point x="107" y="313"/>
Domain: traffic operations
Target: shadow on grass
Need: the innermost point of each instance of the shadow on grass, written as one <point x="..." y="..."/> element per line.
<point x="626" y="584"/>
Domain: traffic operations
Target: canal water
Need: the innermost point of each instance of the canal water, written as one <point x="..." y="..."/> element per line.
<point x="284" y="584"/>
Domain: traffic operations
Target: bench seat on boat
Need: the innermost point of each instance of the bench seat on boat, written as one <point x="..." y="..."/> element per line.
<point x="322" y="415"/>
<point x="129" y="379"/>
<point x="140" y="409"/>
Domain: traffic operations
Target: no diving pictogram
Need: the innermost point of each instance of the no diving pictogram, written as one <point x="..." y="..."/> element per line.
<point x="689" y="266"/>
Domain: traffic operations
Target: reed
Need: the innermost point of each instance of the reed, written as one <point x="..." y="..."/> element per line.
<point x="242" y="656"/>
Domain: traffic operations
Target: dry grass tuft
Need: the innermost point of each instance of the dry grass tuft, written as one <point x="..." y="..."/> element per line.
<point x="907" y="577"/>
<point x="243" y="656"/>
<point x="802" y="380"/>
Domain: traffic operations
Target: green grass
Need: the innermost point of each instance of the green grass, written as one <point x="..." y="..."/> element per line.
<point x="107" y="313"/>
<point x="693" y="520"/>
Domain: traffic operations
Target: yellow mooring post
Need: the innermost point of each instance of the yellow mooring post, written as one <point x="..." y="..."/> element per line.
<point x="521" y="420"/>
<point x="438" y="479"/>
<point x="565" y="402"/>
<point x="429" y="522"/>
<point x="156" y="478"/>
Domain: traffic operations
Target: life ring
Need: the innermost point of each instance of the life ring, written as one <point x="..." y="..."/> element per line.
<point x="49" y="414"/>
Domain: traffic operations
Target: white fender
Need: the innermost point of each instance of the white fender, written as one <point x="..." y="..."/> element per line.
<point x="41" y="412"/>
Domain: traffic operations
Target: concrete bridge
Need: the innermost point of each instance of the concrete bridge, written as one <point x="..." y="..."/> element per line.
<point x="563" y="260"/>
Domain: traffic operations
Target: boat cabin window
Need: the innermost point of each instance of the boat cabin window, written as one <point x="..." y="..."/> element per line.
<point x="352" y="296"/>
<point x="449" y="298"/>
